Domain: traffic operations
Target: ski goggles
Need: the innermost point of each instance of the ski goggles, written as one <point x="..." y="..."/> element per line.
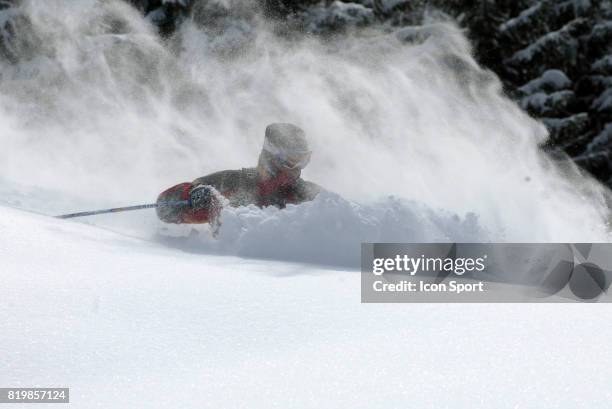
<point x="294" y="160"/>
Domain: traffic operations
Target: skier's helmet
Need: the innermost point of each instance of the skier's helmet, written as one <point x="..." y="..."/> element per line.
<point x="285" y="147"/>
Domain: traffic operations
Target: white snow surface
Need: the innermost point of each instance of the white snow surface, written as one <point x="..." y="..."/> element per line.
<point x="601" y="140"/>
<point x="522" y="19"/>
<point x="326" y="231"/>
<point x="337" y="13"/>
<point x="603" y="102"/>
<point x="550" y="80"/>
<point x="603" y="65"/>
<point x="129" y="323"/>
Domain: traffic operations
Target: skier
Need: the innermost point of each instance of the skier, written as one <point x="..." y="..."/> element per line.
<point x="275" y="181"/>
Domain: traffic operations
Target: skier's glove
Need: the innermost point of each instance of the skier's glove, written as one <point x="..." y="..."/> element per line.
<point x="201" y="197"/>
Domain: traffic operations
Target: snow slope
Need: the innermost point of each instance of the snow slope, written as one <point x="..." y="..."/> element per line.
<point x="128" y="323"/>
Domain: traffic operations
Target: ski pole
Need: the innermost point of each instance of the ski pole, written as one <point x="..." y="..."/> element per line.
<point x="123" y="209"/>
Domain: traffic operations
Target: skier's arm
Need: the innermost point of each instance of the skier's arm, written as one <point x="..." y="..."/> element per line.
<point x="224" y="182"/>
<point x="203" y="207"/>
